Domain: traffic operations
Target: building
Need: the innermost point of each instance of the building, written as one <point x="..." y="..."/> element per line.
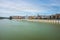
<point x="38" y="17"/>
<point x="31" y="17"/>
<point x="56" y="16"/>
<point x="17" y="17"/>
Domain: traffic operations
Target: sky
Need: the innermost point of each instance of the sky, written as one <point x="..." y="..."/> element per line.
<point x="29" y="7"/>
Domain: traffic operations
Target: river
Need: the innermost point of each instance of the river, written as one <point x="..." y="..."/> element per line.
<point x="27" y="30"/>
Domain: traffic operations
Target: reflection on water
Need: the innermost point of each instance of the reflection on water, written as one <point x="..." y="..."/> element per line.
<point x="25" y="30"/>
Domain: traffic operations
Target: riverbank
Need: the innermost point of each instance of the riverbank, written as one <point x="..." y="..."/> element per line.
<point x="47" y="21"/>
<point x="41" y="20"/>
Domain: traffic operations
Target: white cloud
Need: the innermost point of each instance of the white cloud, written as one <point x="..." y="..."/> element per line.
<point x="11" y="7"/>
<point x="22" y="6"/>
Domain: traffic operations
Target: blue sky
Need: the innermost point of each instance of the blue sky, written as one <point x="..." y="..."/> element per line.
<point x="29" y="7"/>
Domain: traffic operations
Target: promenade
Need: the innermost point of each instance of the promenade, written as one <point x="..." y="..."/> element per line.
<point x="47" y="21"/>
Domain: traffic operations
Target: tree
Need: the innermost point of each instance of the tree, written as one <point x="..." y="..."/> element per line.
<point x="10" y="17"/>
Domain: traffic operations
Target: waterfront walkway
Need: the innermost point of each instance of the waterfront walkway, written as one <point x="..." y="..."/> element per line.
<point x="48" y="21"/>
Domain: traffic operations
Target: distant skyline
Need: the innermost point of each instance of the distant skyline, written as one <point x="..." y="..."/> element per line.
<point x="29" y="7"/>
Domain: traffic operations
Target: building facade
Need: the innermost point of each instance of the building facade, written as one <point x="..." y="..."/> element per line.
<point x="56" y="16"/>
<point x="17" y="17"/>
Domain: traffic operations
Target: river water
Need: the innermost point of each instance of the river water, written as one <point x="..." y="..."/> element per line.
<point x="27" y="30"/>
